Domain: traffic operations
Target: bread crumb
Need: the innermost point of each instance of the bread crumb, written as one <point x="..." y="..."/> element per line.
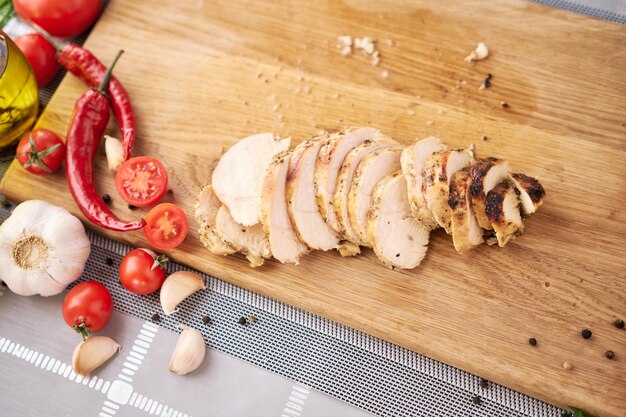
<point x="567" y="366"/>
<point x="384" y="74"/>
<point x="481" y="52"/>
<point x="439" y="112"/>
<point x="411" y="112"/>
<point x="375" y="58"/>
<point x="429" y="122"/>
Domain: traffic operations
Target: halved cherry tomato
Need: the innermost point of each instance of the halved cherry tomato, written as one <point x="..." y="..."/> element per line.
<point x="41" y="152"/>
<point x="142" y="271"/>
<point x="166" y="227"/>
<point x="141" y="181"/>
<point x="41" y="56"/>
<point x="87" y="308"/>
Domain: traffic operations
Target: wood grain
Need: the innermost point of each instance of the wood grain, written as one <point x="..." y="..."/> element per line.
<point x="204" y="74"/>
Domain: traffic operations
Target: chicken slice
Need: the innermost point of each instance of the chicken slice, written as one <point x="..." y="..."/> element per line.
<point x="238" y="177"/>
<point x="503" y="211"/>
<point x="398" y="239"/>
<point x="486" y="173"/>
<point x="413" y="160"/>
<point x="344" y="183"/>
<point x="301" y="204"/>
<point x="373" y="168"/>
<point x="438" y="171"/>
<point x="206" y="208"/>
<point x="466" y="233"/>
<point x="284" y="243"/>
<point x="249" y="240"/>
<point x="531" y="192"/>
<point x="329" y="161"/>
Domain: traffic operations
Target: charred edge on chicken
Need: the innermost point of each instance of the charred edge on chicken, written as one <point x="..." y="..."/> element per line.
<point x="493" y="203"/>
<point x="478" y="172"/>
<point x="532" y="186"/>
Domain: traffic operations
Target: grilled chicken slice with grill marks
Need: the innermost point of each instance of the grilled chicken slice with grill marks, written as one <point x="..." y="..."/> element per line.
<point x="466" y="233"/>
<point x="238" y="177"/>
<point x="413" y="159"/>
<point x="398" y="239"/>
<point x="438" y="171"/>
<point x="249" y="240"/>
<point x="502" y="208"/>
<point x="373" y="168"/>
<point x="344" y="182"/>
<point x="531" y="192"/>
<point x="302" y="206"/>
<point x="284" y="243"/>
<point x="329" y="161"/>
<point x="486" y="173"/>
<point x="207" y="206"/>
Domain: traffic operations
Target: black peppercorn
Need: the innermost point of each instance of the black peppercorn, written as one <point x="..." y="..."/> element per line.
<point x="586" y="333"/>
<point x="170" y="191"/>
<point x="532" y="341"/>
<point x="484" y="138"/>
<point x="106" y="198"/>
<point x="609" y="354"/>
<point x="206" y="319"/>
<point x="476" y="400"/>
<point x="156" y="317"/>
<point x="131" y="207"/>
<point x="109" y="261"/>
<point x="504" y="104"/>
<point x="483" y="383"/>
<point x="242" y="320"/>
<point x="619" y="323"/>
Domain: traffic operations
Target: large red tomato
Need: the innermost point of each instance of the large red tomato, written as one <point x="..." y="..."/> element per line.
<point x="41" y="56"/>
<point x="88" y="307"/>
<point x="62" y="18"/>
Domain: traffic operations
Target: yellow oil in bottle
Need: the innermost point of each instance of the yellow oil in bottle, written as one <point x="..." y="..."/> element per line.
<point x="19" y="99"/>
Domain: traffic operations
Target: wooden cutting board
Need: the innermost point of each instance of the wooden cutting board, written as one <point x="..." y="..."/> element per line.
<point x="204" y="74"/>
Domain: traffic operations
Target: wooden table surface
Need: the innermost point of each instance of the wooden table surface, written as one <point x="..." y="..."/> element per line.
<point x="204" y="74"/>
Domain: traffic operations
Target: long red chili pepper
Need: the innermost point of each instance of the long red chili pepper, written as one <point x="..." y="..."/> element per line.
<point x="87" y="125"/>
<point x="83" y="64"/>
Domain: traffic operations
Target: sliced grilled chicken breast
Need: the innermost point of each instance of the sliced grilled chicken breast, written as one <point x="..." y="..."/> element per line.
<point x="238" y="177"/>
<point x="486" y="173"/>
<point x="502" y="207"/>
<point x="302" y="206"/>
<point x="284" y="243"/>
<point x="398" y="239"/>
<point x="249" y="240"/>
<point x="344" y="183"/>
<point x="373" y="168"/>
<point x="438" y="171"/>
<point x="329" y="161"/>
<point x="531" y="192"/>
<point x="205" y="213"/>
<point x="466" y="233"/>
<point x="413" y="160"/>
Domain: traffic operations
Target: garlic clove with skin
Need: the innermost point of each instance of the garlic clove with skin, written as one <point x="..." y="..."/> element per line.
<point x="188" y="353"/>
<point x="177" y="287"/>
<point x="92" y="352"/>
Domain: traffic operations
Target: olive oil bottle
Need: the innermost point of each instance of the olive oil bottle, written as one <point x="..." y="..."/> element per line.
<point x="19" y="100"/>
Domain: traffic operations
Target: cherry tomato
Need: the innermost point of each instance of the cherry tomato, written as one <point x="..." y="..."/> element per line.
<point x="87" y="308"/>
<point x="41" y="56"/>
<point x="142" y="271"/>
<point x="141" y="181"/>
<point x="62" y="18"/>
<point x="41" y="152"/>
<point x="166" y="226"/>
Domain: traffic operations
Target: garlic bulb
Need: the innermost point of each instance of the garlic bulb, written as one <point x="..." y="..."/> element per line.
<point x="92" y="352"/>
<point x="177" y="287"/>
<point x="188" y="353"/>
<point x="43" y="248"/>
<point x="115" y="152"/>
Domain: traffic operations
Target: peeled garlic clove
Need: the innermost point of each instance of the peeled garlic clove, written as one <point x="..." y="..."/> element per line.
<point x="92" y="352"/>
<point x="188" y="353"/>
<point x="177" y="287"/>
<point x="115" y="152"/>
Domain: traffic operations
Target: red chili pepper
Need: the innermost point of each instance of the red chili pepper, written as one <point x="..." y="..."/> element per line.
<point x="83" y="64"/>
<point x="87" y="125"/>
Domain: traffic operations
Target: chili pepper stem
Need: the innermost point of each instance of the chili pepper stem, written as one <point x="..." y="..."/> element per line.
<point x="107" y="75"/>
<point x="57" y="45"/>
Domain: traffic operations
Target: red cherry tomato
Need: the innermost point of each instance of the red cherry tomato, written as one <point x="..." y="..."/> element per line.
<point x="41" y="56"/>
<point x="87" y="308"/>
<point x="166" y="226"/>
<point x="142" y="271"/>
<point x="41" y="152"/>
<point x="141" y="181"/>
<point x="62" y="18"/>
